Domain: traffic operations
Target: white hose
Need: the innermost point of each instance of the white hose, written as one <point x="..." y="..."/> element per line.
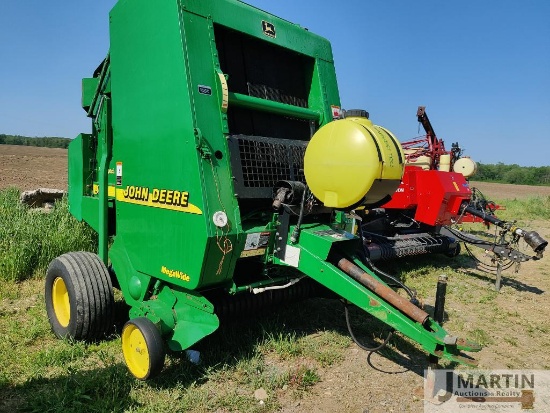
<point x="276" y="287"/>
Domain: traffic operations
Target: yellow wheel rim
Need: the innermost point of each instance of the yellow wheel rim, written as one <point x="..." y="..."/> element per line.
<point x="136" y="353"/>
<point x="60" y="301"/>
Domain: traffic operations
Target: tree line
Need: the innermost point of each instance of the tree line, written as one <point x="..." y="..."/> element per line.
<point x="513" y="174"/>
<point x="46" y="142"/>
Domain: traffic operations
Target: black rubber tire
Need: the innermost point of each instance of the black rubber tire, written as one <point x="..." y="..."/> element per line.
<point x="150" y="340"/>
<point x="90" y="295"/>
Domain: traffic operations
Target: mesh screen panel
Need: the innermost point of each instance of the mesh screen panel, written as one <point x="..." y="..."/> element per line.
<point x="259" y="163"/>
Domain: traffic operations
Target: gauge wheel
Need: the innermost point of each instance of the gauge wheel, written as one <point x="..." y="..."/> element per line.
<point x="455" y="252"/>
<point x="143" y="348"/>
<point x="79" y="296"/>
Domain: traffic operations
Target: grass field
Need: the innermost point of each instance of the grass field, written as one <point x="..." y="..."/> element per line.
<point x="30" y="239"/>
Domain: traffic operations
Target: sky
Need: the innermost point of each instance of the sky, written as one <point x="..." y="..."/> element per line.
<point x="481" y="68"/>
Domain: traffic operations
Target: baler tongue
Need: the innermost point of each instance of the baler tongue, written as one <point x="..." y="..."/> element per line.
<point x="358" y="285"/>
<point x="383" y="291"/>
<point x="453" y="345"/>
<point x="453" y="350"/>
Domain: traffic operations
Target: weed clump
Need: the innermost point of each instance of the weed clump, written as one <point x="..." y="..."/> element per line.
<point x="30" y="239"/>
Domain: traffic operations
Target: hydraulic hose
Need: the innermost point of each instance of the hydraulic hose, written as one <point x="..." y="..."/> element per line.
<point x="296" y="232"/>
<point x="356" y="341"/>
<point x="532" y="238"/>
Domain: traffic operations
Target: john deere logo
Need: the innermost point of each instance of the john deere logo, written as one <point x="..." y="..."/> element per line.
<point x="268" y="28"/>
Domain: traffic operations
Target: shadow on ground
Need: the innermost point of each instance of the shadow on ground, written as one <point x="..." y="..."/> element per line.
<point x="109" y="388"/>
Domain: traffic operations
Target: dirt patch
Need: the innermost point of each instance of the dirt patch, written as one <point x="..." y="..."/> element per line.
<point x="495" y="191"/>
<point x="364" y="384"/>
<point x="29" y="167"/>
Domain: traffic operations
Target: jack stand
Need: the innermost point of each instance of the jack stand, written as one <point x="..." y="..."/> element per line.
<point x="499" y="275"/>
<point x="430" y="392"/>
<point x="439" y="307"/>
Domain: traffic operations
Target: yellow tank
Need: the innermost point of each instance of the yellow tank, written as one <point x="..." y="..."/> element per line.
<point x="352" y="161"/>
<point x="422" y="161"/>
<point x="466" y="167"/>
<point x="445" y="163"/>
